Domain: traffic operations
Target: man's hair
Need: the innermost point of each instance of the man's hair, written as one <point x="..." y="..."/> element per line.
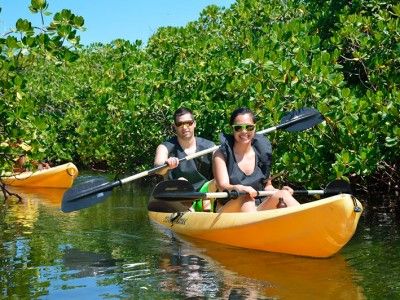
<point x="241" y="111"/>
<point x="182" y="111"/>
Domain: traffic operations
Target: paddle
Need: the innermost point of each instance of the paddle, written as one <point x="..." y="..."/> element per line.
<point x="170" y="196"/>
<point x="182" y="190"/>
<point x="96" y="192"/>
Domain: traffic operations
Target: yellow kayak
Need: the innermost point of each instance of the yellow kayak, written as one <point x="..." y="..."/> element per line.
<point x="315" y="229"/>
<point x="61" y="176"/>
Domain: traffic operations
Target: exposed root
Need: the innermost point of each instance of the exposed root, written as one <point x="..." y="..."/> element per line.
<point x="7" y="193"/>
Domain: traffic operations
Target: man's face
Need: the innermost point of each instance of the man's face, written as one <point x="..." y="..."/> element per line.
<point x="184" y="126"/>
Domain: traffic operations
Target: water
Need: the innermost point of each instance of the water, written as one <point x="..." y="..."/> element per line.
<point x="112" y="251"/>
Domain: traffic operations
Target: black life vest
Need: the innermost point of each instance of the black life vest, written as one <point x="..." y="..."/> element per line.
<point x="198" y="170"/>
<point x="263" y="152"/>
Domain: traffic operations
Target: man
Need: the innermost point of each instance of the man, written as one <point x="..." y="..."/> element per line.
<point x="197" y="171"/>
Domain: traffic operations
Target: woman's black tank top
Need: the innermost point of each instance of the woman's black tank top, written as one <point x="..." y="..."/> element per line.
<point x="263" y="153"/>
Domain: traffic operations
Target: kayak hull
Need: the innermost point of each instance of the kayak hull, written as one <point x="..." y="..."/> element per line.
<point x="315" y="229"/>
<point x="61" y="176"/>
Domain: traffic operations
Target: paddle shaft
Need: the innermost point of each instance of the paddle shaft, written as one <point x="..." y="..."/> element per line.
<point x="158" y="168"/>
<point x="265" y="193"/>
<point x="178" y="196"/>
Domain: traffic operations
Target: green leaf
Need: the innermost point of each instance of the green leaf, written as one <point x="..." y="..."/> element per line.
<point x="66" y="15"/>
<point x="258" y="87"/>
<point x="38" y="5"/>
<point x="24" y="25"/>
<point x="345" y="157"/>
<point x="18" y="81"/>
<point x="396" y="10"/>
<point x="64" y="30"/>
<point x="391" y="141"/>
<point x="345" y="92"/>
<point x="325" y="57"/>
<point x="11" y="42"/>
<point x="78" y="21"/>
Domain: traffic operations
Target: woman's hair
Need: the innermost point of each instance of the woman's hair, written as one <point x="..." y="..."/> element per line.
<point x="241" y="111"/>
<point x="182" y="111"/>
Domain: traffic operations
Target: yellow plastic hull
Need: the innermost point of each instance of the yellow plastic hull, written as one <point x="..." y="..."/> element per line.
<point x="316" y="229"/>
<point x="61" y="176"/>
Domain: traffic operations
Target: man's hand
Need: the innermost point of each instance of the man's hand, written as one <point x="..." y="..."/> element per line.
<point x="172" y="162"/>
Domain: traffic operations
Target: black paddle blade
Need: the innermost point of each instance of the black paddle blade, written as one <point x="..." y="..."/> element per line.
<point x="167" y="206"/>
<point x="176" y="190"/>
<point x="301" y="119"/>
<point x="338" y="187"/>
<point x="86" y="194"/>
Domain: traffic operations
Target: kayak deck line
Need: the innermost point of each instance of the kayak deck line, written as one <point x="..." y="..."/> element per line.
<point x="316" y="229"/>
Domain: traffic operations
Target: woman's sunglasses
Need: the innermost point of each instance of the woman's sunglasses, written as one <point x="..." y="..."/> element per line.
<point x="183" y="123"/>
<point x="242" y="127"/>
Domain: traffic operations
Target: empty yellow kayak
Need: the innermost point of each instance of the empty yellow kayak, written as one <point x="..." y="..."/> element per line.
<point x="61" y="176"/>
<point x="316" y="229"/>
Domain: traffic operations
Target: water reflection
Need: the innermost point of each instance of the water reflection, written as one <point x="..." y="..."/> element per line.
<point x="21" y="216"/>
<point x="249" y="274"/>
<point x="91" y="264"/>
<point x="88" y="263"/>
<point x="48" y="196"/>
<point x="189" y="275"/>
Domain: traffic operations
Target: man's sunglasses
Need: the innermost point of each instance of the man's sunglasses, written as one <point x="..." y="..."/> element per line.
<point x="183" y="123"/>
<point x="242" y="127"/>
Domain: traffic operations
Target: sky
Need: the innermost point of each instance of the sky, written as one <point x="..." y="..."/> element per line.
<point x="108" y="20"/>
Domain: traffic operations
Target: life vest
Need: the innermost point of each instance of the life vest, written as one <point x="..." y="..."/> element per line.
<point x="263" y="152"/>
<point x="198" y="170"/>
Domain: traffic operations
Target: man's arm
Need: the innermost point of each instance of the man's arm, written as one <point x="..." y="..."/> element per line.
<point x="162" y="158"/>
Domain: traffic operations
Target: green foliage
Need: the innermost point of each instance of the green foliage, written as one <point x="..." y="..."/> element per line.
<point x="24" y="128"/>
<point x="112" y="105"/>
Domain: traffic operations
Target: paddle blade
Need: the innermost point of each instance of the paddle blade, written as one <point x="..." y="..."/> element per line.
<point x="301" y="119"/>
<point x="84" y="202"/>
<point x="86" y="194"/>
<point x="166" y="206"/>
<point x="338" y="187"/>
<point x="175" y="190"/>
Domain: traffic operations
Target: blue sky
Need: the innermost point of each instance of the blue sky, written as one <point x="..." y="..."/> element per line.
<point x="109" y="20"/>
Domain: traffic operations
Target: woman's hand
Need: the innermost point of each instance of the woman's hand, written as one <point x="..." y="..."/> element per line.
<point x="269" y="186"/>
<point x="251" y="193"/>
<point x="288" y="188"/>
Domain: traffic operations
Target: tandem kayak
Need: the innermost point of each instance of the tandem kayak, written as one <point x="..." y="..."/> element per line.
<point x="61" y="176"/>
<point x="315" y="229"/>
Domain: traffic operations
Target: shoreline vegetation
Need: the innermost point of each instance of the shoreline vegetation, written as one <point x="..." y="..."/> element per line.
<point x="107" y="106"/>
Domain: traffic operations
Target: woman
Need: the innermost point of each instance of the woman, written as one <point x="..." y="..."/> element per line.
<point x="243" y="162"/>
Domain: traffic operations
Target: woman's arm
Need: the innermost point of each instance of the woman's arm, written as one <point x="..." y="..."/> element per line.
<point x="220" y="171"/>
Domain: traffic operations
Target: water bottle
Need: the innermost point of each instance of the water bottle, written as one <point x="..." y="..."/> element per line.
<point x="281" y="203"/>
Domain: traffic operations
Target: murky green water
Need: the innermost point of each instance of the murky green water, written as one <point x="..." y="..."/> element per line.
<point x="111" y="251"/>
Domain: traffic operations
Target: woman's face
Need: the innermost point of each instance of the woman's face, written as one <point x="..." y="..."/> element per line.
<point x="243" y="128"/>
